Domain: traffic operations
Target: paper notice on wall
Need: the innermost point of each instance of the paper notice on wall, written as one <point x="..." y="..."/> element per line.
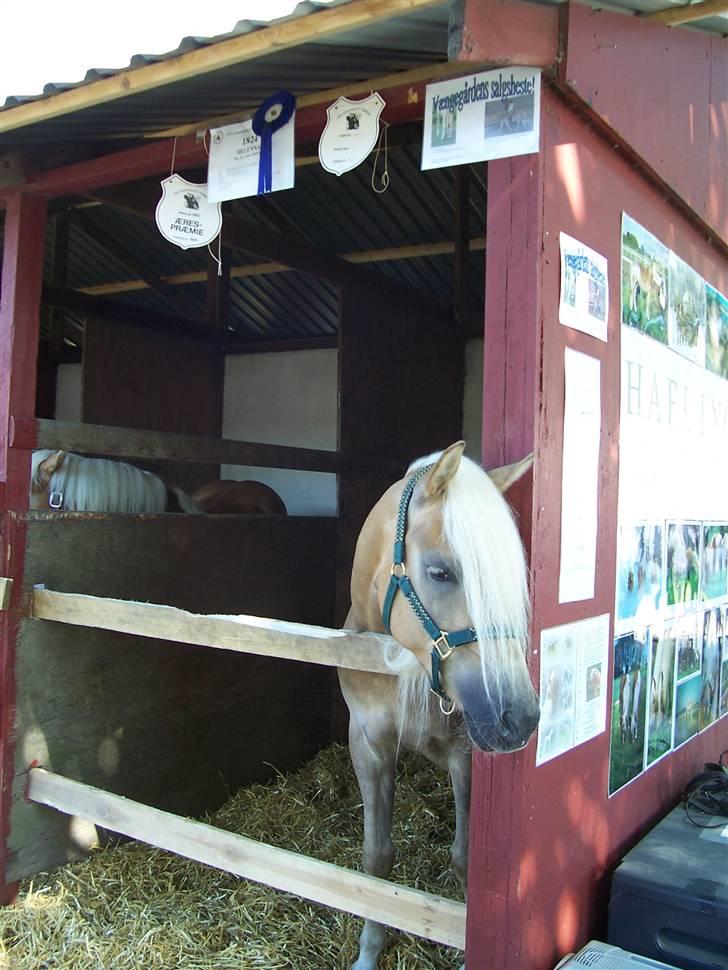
<point x="232" y="171"/>
<point x="584" y="300"/>
<point x="580" y="476"/>
<point x="494" y="114"/>
<point x="574" y="660"/>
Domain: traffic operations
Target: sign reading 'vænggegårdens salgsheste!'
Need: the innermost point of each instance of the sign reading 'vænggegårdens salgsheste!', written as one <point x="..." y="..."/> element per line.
<point x="494" y="114"/>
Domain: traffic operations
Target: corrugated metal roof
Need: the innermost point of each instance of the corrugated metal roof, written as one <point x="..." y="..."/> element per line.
<point x="336" y="215"/>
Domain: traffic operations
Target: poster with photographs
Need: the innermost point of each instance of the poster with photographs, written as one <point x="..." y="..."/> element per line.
<point x="714" y="561"/>
<point x="661" y="691"/>
<point x="644" y="280"/>
<point x="493" y="114"/>
<point x="716" y="332"/>
<point x="683" y="563"/>
<point x="710" y="668"/>
<point x="629" y="708"/>
<point x="671" y="601"/>
<point x="686" y="310"/>
<point x="640" y="575"/>
<point x="574" y="661"/>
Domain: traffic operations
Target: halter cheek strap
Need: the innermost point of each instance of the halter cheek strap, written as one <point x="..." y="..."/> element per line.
<point x="443" y="643"/>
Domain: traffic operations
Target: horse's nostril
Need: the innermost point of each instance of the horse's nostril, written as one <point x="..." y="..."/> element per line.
<point x="507" y="723"/>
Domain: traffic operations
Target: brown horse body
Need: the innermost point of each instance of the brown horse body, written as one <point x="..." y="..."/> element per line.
<point x="239" y="498"/>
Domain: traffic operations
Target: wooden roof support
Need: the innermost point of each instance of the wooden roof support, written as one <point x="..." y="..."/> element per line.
<point x="688" y="13"/>
<point x="247" y="47"/>
<point x="263" y="269"/>
<point x="106" y="240"/>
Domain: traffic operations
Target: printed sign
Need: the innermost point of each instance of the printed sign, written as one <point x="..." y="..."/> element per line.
<point x="350" y="134"/>
<point x="584" y="302"/>
<point x="495" y="114"/>
<point x="184" y="214"/>
<point x="233" y="167"/>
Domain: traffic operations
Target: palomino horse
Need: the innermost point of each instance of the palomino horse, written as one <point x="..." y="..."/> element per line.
<point x="240" y="498"/>
<point x="465" y="572"/>
<point x="62" y="481"/>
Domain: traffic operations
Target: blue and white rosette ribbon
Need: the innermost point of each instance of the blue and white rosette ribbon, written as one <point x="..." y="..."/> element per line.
<point x="265" y="130"/>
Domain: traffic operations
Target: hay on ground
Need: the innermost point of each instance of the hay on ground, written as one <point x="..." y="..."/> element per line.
<point x="129" y="906"/>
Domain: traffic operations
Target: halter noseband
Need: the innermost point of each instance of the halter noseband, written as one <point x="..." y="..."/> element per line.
<point x="443" y="643"/>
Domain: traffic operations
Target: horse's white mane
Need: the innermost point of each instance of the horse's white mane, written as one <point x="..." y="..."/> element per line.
<point x="100" y="485"/>
<point x="479" y="529"/>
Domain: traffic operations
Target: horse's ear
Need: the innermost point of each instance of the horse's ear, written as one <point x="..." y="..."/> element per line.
<point x="49" y="466"/>
<point x="447" y="465"/>
<point x="506" y="476"/>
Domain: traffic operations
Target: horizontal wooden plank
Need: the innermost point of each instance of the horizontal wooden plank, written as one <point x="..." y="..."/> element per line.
<point x="424" y="914"/>
<point x="244" y="634"/>
<point x="99" y="439"/>
<point x="688" y="13"/>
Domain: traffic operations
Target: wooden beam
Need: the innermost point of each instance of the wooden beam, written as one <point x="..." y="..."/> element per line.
<point x="99" y="439"/>
<point x="412" y="81"/>
<point x="98" y="306"/>
<point x="263" y="269"/>
<point x="461" y="263"/>
<point x="106" y="240"/>
<point x="248" y="346"/>
<point x="424" y="914"/>
<point x="313" y="28"/>
<point x="688" y="13"/>
<point x="241" y="634"/>
<point x="58" y="280"/>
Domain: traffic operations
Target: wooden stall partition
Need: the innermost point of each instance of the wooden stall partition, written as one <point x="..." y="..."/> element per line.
<point x="169" y="724"/>
<point x="401" y="378"/>
<point x="545" y="839"/>
<point x="137" y="378"/>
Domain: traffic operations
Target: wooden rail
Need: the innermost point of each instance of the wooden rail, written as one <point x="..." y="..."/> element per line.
<point x="424" y="914"/>
<point x="101" y="439"/>
<point x="242" y="634"/>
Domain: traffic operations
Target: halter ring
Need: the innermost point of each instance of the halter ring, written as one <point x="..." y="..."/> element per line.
<point x="55" y="500"/>
<point x="436" y="645"/>
<point x="442" y="709"/>
<point x="398" y="565"/>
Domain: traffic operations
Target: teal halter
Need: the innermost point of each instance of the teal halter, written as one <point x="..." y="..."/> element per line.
<point x="443" y="643"/>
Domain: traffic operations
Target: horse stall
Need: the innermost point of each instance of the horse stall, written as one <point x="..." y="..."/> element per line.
<point x="154" y="662"/>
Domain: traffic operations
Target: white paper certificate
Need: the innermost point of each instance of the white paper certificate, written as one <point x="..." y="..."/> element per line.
<point x="580" y="476"/>
<point x="232" y="171"/>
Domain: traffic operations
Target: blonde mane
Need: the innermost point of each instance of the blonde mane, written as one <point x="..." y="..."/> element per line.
<point x="481" y="534"/>
<point x="99" y="485"/>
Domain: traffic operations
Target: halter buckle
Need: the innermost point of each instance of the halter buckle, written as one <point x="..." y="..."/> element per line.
<point x="55" y="500"/>
<point x="398" y="565"/>
<point x="436" y="645"/>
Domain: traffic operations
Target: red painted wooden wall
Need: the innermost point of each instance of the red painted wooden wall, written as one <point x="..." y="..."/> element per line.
<point x="545" y="840"/>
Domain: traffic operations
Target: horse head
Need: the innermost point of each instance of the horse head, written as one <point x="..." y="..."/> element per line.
<point x="463" y="560"/>
<point x="44" y="466"/>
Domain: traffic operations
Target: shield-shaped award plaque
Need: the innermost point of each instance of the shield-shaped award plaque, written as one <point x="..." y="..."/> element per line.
<point x="350" y="134"/>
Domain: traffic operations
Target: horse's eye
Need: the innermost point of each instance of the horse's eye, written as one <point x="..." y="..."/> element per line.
<point x="439" y="574"/>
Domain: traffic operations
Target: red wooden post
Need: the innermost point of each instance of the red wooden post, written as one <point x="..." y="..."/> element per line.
<point x="22" y="275"/>
<point x="509" y="381"/>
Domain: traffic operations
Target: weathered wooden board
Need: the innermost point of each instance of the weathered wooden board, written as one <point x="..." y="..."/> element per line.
<point x="162" y="382"/>
<point x="424" y="914"/>
<point x="167" y="723"/>
<point x="257" y="635"/>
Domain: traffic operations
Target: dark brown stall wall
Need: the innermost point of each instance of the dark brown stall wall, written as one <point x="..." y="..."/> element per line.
<point x="134" y="378"/>
<point x="572" y="834"/>
<point x="169" y="724"/>
<point x="401" y="380"/>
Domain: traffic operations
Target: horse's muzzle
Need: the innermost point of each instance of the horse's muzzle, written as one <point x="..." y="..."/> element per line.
<point x="508" y="729"/>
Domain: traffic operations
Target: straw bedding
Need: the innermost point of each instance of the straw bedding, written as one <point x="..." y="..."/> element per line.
<point x="130" y="906"/>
